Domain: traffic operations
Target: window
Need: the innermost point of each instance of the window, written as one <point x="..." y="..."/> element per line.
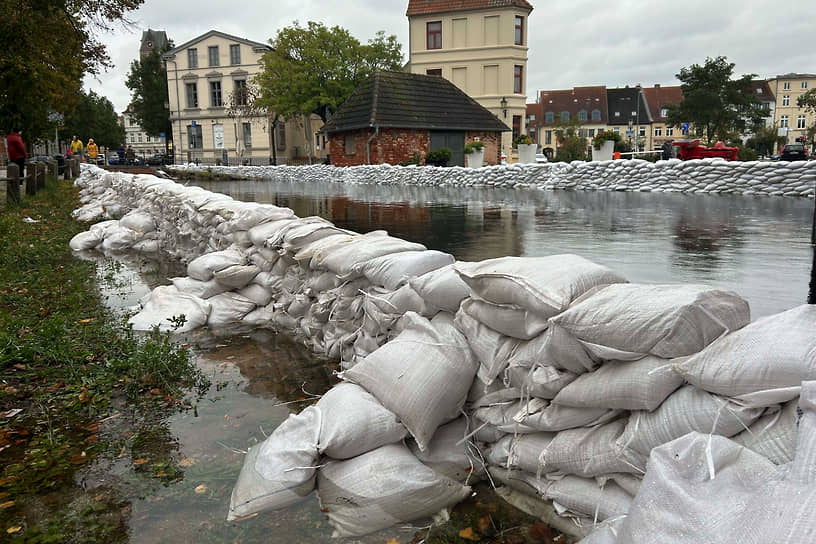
<point x="247" y="130"/>
<point x="596" y="115"/>
<point x="192" y="95"/>
<point x="786" y="86"/>
<point x="235" y="53"/>
<point x="240" y="93"/>
<point x="517" y="82"/>
<point x="212" y="54"/>
<point x="434" y="72"/>
<point x="759" y="90"/>
<point x="531" y="117"/>
<point x="669" y="131"/>
<point x="565" y="116"/>
<point x="804" y="85"/>
<point x="783" y="121"/>
<point x="434" y="33"/>
<point x="194" y="137"/>
<point x="519" y="35"/>
<point x="642" y="132"/>
<point x="147" y="139"/>
<point x="582" y="115"/>
<point x="591" y="133"/>
<point x="786" y="100"/>
<point x="664" y="112"/>
<point x="658" y="131"/>
<point x="549" y="117"/>
<point x="617" y="114"/>
<point x="192" y="58"/>
<point x="516" y="126"/>
<point x="139" y="137"/>
<point x="280" y="137"/>
<point x="548" y="137"/>
<point x="634" y="114"/>
<point x="349" y="144"/>
<point x="616" y="130"/>
<point x="800" y="121"/>
<point x="215" y="94"/>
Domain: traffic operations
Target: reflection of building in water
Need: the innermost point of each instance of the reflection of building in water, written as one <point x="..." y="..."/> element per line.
<point x="304" y="206"/>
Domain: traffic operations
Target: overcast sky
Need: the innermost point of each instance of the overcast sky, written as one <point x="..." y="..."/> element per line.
<point x="572" y="42"/>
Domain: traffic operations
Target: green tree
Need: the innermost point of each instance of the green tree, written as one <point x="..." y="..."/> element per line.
<point x="764" y="140"/>
<point x="148" y="82"/>
<point x="312" y="70"/>
<point x="94" y="118"/>
<point x="47" y="46"/>
<point x="570" y="146"/>
<point x="719" y="107"/>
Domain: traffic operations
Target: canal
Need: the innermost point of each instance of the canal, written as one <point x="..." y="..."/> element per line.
<point x="758" y="247"/>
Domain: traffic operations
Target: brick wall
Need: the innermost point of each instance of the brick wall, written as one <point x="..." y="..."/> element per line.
<point x="492" y="141"/>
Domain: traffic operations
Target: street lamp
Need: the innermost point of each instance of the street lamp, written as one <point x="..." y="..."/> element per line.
<point x="503" y="104"/>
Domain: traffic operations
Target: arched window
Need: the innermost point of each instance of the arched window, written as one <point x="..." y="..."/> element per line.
<point x="582" y="115"/>
<point x="596" y="115"/>
<point x="565" y="116"/>
<point x="549" y="117"/>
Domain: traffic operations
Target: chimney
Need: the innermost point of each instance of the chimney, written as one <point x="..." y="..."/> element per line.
<point x="657" y="85"/>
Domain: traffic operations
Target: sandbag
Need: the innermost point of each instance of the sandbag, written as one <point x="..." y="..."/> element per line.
<point x="202" y="268"/>
<point x="201" y="289"/>
<point x="85" y="240"/>
<point x="585" y="498"/>
<point x="354" y="422"/>
<point x="774" y="434"/>
<point x="423" y="375"/>
<point x="520" y="452"/>
<point x="629" y="321"/>
<point x="342" y="258"/>
<point x="257" y="294"/>
<point x="554" y="347"/>
<point x="259" y="234"/>
<point x="442" y="288"/>
<point x="392" y="271"/>
<point x="119" y="238"/>
<point x="541" y="381"/>
<point x="165" y="303"/>
<point x="279" y="471"/>
<point x="237" y="276"/>
<point x="449" y="453"/>
<point x="490" y="347"/>
<point x="544" y="286"/>
<point x="228" y="308"/>
<point x="138" y="221"/>
<point x="507" y="319"/>
<point x="381" y="488"/>
<point x="591" y="451"/>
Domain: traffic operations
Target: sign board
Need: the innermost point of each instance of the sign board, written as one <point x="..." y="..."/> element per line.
<point x="630" y="132"/>
<point x="685" y="127"/>
<point x="193" y="123"/>
<point x="161" y="134"/>
<point x="218" y="136"/>
<point x="782" y="131"/>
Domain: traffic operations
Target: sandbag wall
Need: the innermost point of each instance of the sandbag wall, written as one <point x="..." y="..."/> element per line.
<point x="712" y="176"/>
<point x="552" y="375"/>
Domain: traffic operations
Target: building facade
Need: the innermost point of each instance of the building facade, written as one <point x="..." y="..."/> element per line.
<point x="142" y="143"/>
<point x="584" y="108"/>
<point x="481" y="47"/>
<point x="659" y="98"/>
<point x="791" y="120"/>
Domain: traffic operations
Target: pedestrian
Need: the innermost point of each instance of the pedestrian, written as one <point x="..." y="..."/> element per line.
<point x="120" y="151"/>
<point x="667" y="150"/>
<point x="16" y="150"/>
<point x="92" y="150"/>
<point x="77" y="148"/>
<point x="130" y="155"/>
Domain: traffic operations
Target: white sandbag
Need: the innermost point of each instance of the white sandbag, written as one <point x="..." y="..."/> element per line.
<point x="278" y="472"/>
<point x="342" y="258"/>
<point x="201" y="289"/>
<point x="507" y="319"/>
<point x="85" y="240"/>
<point x="777" y="352"/>
<point x="540" y="415"/>
<point x="268" y="281"/>
<point x="202" y="268"/>
<point x="237" y="276"/>
<point x="664" y="320"/>
<point x="625" y="385"/>
<point x="320" y="282"/>
<point x="354" y="422"/>
<point x="554" y="347"/>
<point x="490" y="347"/>
<point x="259" y="234"/>
<point x="146" y="246"/>
<point x="687" y="409"/>
<point x="423" y="375"/>
<point x="451" y="454"/>
<point x="590" y="451"/>
<point x="299" y="306"/>
<point x="773" y="435"/>
<point x="482" y="394"/>
<point x="521" y="451"/>
<point x="542" y="381"/>
<point x="307" y="252"/>
<point x="257" y="294"/>
<point x="164" y="304"/>
<point x="251" y="214"/>
<point x="103" y="226"/>
<point x="381" y="488"/>
<point x="500" y="416"/>
<point x="585" y="498"/>
<point x="304" y="226"/>
<point x="228" y="308"/>
<point x="138" y="221"/>
<point x="442" y="288"/>
<point x="119" y="239"/>
<point x="542" y="285"/>
<point x="297" y="237"/>
<point x="262" y="315"/>
<point x="392" y="271"/>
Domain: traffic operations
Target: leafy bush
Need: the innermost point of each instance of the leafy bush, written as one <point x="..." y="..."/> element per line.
<point x="747" y="154"/>
<point x="522" y="139"/>
<point x="416" y="158"/>
<point x="474" y="146"/>
<point x="605" y="136"/>
<point x="438" y="157"/>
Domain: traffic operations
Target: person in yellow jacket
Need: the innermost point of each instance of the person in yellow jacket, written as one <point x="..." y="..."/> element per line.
<point x="77" y="148"/>
<point x="92" y="150"/>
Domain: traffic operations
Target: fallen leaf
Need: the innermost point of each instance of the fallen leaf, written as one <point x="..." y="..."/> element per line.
<point x="88" y="320"/>
<point x="93" y="427"/>
<point x="541" y="532"/>
<point x="7" y="504"/>
<point x="139" y="461"/>
<point x="201" y="489"/>
<point x="84" y="396"/>
<point x="248" y="516"/>
<point x="161" y="474"/>
<point x="393" y="541"/>
<point x="19" y="366"/>
<point x="467" y="534"/>
<point x="15" y="529"/>
<point x="187" y="462"/>
<point x="155" y="391"/>
<point x="93" y="438"/>
<point x="79" y="459"/>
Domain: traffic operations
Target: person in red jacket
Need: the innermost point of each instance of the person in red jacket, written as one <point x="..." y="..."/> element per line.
<point x="16" y="150"/>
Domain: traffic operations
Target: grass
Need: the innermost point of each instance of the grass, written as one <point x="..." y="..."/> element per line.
<point x="71" y="375"/>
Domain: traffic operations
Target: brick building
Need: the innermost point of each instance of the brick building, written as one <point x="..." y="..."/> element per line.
<point x="393" y="116"/>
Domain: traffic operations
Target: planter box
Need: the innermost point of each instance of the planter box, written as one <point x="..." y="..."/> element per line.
<point x="527" y="153"/>
<point x="474" y="159"/>
<point x="605" y="152"/>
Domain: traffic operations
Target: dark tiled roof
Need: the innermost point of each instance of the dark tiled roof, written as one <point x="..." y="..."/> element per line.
<point x="573" y="101"/>
<point x="659" y="97"/>
<point x="762" y="91"/>
<point x="625" y="101"/>
<point x="403" y="100"/>
<point x="428" y="7"/>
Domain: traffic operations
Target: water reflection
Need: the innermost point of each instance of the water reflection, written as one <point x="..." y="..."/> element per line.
<point x="757" y="247"/>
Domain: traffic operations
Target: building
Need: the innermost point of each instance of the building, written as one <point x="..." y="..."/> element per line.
<point x="152" y="40"/>
<point x="394" y="116"/>
<point x="582" y="107"/>
<point x="204" y="77"/>
<point x="791" y="120"/>
<point x="142" y="143"/>
<point x="480" y="46"/>
<point x="658" y="99"/>
<point x="630" y="117"/>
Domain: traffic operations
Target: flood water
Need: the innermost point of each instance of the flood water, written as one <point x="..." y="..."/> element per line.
<point x="756" y="247"/>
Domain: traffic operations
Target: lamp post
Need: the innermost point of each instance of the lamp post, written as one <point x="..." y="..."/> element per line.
<point x="503" y="104"/>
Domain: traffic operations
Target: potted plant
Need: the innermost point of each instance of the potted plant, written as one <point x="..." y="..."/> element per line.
<point x="603" y="145"/>
<point x="438" y="157"/>
<point x="526" y="149"/>
<point x="474" y="154"/>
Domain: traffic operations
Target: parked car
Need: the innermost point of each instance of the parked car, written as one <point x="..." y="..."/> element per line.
<point x="793" y="152"/>
<point x="113" y="158"/>
<point x="157" y="160"/>
<point x="541" y="157"/>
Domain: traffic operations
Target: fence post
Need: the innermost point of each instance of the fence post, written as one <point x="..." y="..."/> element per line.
<point x="13" y="183"/>
<point x="31" y="179"/>
<point x="42" y="168"/>
<point x="53" y="168"/>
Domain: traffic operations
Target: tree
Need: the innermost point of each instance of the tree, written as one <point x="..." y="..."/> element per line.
<point x="48" y="45"/>
<point x="314" y="69"/>
<point x="719" y="107"/>
<point x="243" y="106"/>
<point x="570" y="146"/>
<point x="94" y="118"/>
<point x="148" y="81"/>
<point x="764" y="140"/>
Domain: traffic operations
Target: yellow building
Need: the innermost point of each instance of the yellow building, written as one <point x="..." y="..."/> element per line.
<point x="791" y="120"/>
<point x="480" y="46"/>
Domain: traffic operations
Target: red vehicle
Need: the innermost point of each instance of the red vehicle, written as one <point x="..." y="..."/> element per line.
<point x="691" y="149"/>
